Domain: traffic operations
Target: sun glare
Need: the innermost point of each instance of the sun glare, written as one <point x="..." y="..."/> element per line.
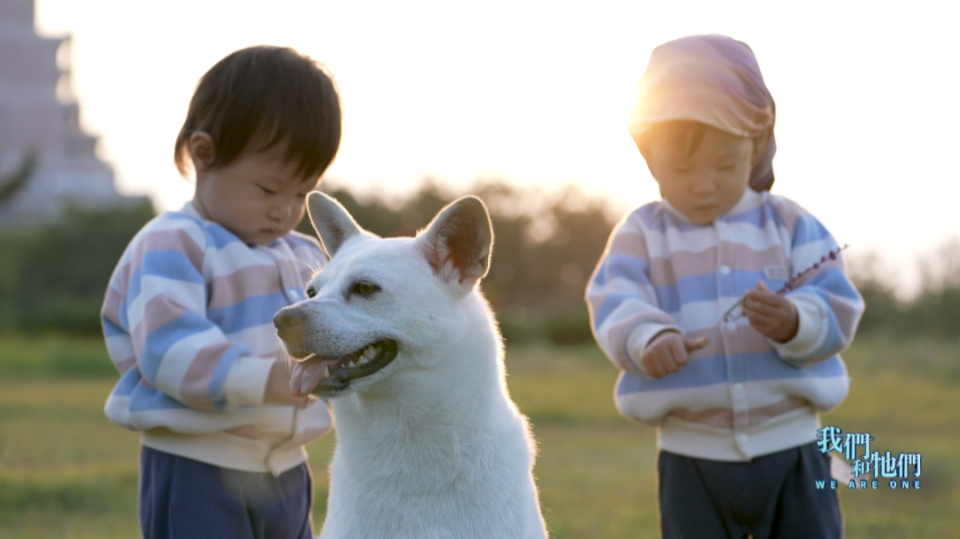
<point x="540" y="94"/>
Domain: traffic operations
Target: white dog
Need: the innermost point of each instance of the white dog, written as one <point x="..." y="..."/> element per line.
<point x="398" y="336"/>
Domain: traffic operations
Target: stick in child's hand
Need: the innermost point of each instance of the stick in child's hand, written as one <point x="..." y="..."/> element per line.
<point x="788" y="286"/>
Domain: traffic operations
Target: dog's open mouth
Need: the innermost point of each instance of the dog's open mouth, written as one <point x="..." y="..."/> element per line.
<point x="326" y="375"/>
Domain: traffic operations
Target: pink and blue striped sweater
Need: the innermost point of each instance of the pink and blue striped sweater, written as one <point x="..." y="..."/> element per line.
<point x="743" y="395"/>
<point x="188" y="320"/>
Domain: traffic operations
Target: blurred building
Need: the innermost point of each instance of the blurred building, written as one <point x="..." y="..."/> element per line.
<point x="38" y="113"/>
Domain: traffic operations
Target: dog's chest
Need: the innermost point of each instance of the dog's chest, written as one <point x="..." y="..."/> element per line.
<point x="458" y="490"/>
<point x="443" y="455"/>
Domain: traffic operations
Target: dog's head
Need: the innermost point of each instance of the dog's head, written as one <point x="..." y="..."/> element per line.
<point x="382" y="304"/>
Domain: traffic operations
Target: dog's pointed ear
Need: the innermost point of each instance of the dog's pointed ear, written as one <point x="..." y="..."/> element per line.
<point x="458" y="242"/>
<point x="333" y="223"/>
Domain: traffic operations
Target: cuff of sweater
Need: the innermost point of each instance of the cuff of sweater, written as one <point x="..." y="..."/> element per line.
<point x="247" y="381"/>
<point x="640" y="338"/>
<point x="811" y="330"/>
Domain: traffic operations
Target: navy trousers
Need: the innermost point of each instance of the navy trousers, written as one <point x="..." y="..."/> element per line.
<point x="770" y="497"/>
<point x="185" y="499"/>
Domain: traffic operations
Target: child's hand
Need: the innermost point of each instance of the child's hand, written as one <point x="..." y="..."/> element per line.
<point x="773" y="315"/>
<point x="278" y="387"/>
<point x="668" y="351"/>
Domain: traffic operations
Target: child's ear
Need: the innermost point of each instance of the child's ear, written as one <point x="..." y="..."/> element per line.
<point x="760" y="143"/>
<point x="202" y="150"/>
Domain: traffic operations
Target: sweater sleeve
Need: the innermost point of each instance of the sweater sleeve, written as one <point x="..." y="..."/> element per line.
<point x="623" y="305"/>
<point x="177" y="349"/>
<point x="828" y="305"/>
<point x="310" y="256"/>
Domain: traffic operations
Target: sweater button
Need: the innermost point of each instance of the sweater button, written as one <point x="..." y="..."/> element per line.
<point x="724" y="270"/>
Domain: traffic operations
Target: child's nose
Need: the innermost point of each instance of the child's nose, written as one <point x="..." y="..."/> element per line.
<point x="281" y="212"/>
<point x="704" y="186"/>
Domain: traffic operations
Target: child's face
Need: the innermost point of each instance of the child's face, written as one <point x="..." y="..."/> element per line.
<point x="707" y="183"/>
<point x="258" y="196"/>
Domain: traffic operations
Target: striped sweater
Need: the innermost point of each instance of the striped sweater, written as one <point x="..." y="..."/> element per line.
<point x="743" y="395"/>
<point x="188" y="320"/>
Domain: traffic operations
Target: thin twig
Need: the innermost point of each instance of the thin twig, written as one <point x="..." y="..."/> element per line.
<point x="788" y="286"/>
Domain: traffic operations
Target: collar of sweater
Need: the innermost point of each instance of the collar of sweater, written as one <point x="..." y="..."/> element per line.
<point x="189" y="209"/>
<point x="750" y="200"/>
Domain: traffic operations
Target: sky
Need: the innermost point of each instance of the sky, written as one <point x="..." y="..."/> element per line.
<point x="538" y="92"/>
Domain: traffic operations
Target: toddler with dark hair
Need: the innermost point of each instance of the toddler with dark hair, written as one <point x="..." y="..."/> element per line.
<point x="736" y="399"/>
<point x="188" y="315"/>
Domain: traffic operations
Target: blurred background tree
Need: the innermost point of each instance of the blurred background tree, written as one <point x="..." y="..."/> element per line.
<point x="53" y="278"/>
<point x="12" y="183"/>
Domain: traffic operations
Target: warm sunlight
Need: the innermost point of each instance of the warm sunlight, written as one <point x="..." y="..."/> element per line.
<point x="489" y="320"/>
<point x="539" y="93"/>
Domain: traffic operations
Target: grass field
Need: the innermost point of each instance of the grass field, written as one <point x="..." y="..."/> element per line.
<point x="67" y="472"/>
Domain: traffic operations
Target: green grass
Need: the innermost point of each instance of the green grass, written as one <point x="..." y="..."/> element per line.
<point x="48" y="356"/>
<point x="67" y="472"/>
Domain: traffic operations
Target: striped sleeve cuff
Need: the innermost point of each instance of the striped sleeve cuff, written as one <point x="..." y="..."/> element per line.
<point x="638" y="340"/>
<point x="247" y="381"/>
<point x="811" y="331"/>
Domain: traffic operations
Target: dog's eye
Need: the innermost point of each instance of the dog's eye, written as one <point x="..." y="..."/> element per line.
<point x="311" y="292"/>
<point x="364" y="289"/>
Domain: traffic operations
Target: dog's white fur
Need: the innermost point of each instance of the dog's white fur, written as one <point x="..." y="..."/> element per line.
<point x="430" y="446"/>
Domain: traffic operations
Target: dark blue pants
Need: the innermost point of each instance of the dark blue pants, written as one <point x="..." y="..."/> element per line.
<point x="770" y="497"/>
<point x="181" y="498"/>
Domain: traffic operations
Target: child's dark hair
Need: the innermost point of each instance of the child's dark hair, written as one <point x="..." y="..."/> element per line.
<point x="685" y="135"/>
<point x="268" y="96"/>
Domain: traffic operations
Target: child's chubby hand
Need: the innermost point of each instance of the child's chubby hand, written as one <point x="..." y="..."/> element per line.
<point x="668" y="351"/>
<point x="278" y="387"/>
<point x="773" y="315"/>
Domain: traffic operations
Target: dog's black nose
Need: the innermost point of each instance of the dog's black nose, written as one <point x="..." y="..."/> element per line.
<point x="288" y="318"/>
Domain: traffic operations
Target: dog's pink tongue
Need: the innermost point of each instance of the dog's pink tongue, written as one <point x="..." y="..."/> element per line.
<point x="307" y="374"/>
